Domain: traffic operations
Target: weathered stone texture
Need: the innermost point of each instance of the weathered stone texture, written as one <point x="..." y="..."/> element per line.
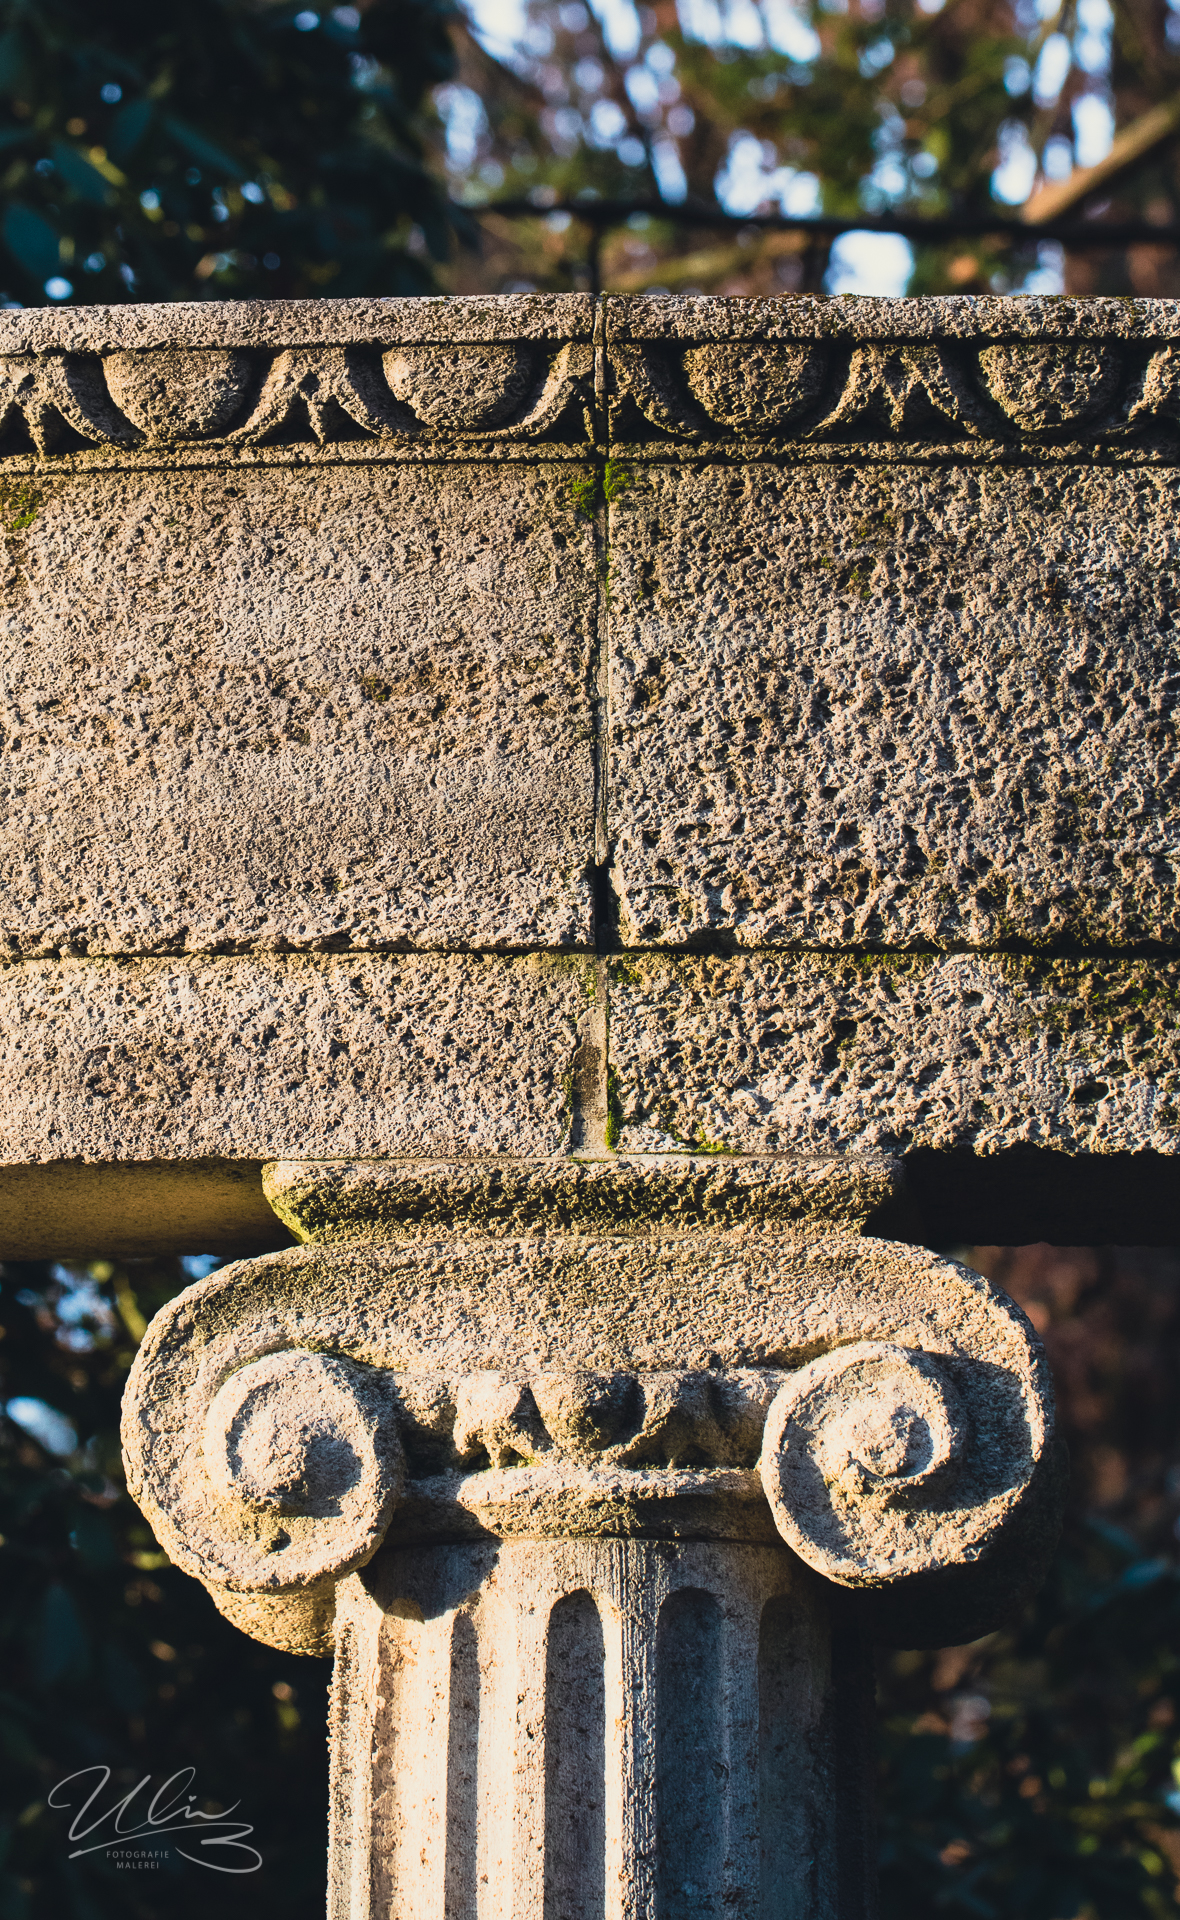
<point x="281" y="709"/>
<point x="273" y="1055"/>
<point x="589" y="1727"/>
<point x="684" y="320"/>
<point x="343" y="1200"/>
<point x="895" y="705"/>
<point x="322" y="639"/>
<point x="776" y="1053"/>
<point x="585" y="1385"/>
<point x="263" y="324"/>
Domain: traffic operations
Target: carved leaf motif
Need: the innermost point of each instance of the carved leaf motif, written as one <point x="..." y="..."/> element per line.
<point x="658" y="391"/>
<point x="50" y="393"/>
<point x="759" y="386"/>
<point x="568" y="382"/>
<point x="327" y="390"/>
<point x="1044" y="389"/>
<point x="1158" y="390"/>
<point x="907" y="389"/>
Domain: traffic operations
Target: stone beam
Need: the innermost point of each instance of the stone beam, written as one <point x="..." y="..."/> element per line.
<point x="371" y="666"/>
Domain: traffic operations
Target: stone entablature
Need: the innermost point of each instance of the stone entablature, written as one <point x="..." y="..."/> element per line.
<point x="759" y="717"/>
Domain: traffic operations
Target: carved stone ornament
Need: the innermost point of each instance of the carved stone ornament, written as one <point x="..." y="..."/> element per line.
<point x="302" y="1459"/>
<point x="880" y="1462"/>
<point x="269" y="1408"/>
<point x="569" y="374"/>
<point x="595" y="1650"/>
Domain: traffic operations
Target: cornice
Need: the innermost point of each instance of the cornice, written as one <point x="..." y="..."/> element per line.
<point x="521" y="377"/>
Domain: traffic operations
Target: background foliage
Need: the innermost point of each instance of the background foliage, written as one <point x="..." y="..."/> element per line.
<point x="1032" y="1776"/>
<point x="109" y="1656"/>
<point x="214" y="148"/>
<point x="244" y="148"/>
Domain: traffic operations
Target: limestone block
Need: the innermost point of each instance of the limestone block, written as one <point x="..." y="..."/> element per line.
<point x="291" y="710"/>
<point x="269" y="324"/>
<point x="884" y="703"/>
<point x="793" y="1053"/>
<point x="265" y="1056"/>
<point x="988" y="379"/>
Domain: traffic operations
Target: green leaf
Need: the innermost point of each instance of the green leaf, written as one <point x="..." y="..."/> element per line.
<point x="13" y="62"/>
<point x="32" y="240"/>
<point x="202" y="150"/>
<point x="128" y="128"/>
<point x="86" y="181"/>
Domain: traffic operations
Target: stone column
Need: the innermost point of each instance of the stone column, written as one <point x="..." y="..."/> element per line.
<point x="600" y="1525"/>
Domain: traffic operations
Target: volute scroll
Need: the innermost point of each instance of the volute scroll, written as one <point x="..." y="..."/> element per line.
<point x="882" y="1463"/>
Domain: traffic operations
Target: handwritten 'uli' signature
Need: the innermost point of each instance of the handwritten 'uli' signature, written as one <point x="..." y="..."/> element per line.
<point x="163" y="1815"/>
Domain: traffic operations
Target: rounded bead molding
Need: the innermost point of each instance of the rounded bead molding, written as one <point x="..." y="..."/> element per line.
<point x="460" y="388"/>
<point x="881" y="1462"/>
<point x="1050" y="389"/>
<point x="756" y="386"/>
<point x="176" y="394"/>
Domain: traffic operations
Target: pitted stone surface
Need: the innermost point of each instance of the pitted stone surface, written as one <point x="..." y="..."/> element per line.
<point x="324" y="638"/>
<point x="302" y="1468"/>
<point x="776" y="1053"/>
<point x="255" y="1058"/>
<point x="856" y="705"/>
<point x="326" y="1201"/>
<point x="268" y="712"/>
<point x="881" y="1463"/>
<point x="177" y="394"/>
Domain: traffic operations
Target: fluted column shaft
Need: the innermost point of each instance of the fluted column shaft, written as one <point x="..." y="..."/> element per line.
<point x="594" y="1729"/>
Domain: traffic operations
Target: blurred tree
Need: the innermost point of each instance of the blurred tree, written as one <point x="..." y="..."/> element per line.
<point x="246" y="148"/>
<point x="839" y="106"/>
<point x="1144" y="70"/>
<point x="1037" y="1773"/>
<point x="215" y="148"/>
<point x="110" y="1656"/>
